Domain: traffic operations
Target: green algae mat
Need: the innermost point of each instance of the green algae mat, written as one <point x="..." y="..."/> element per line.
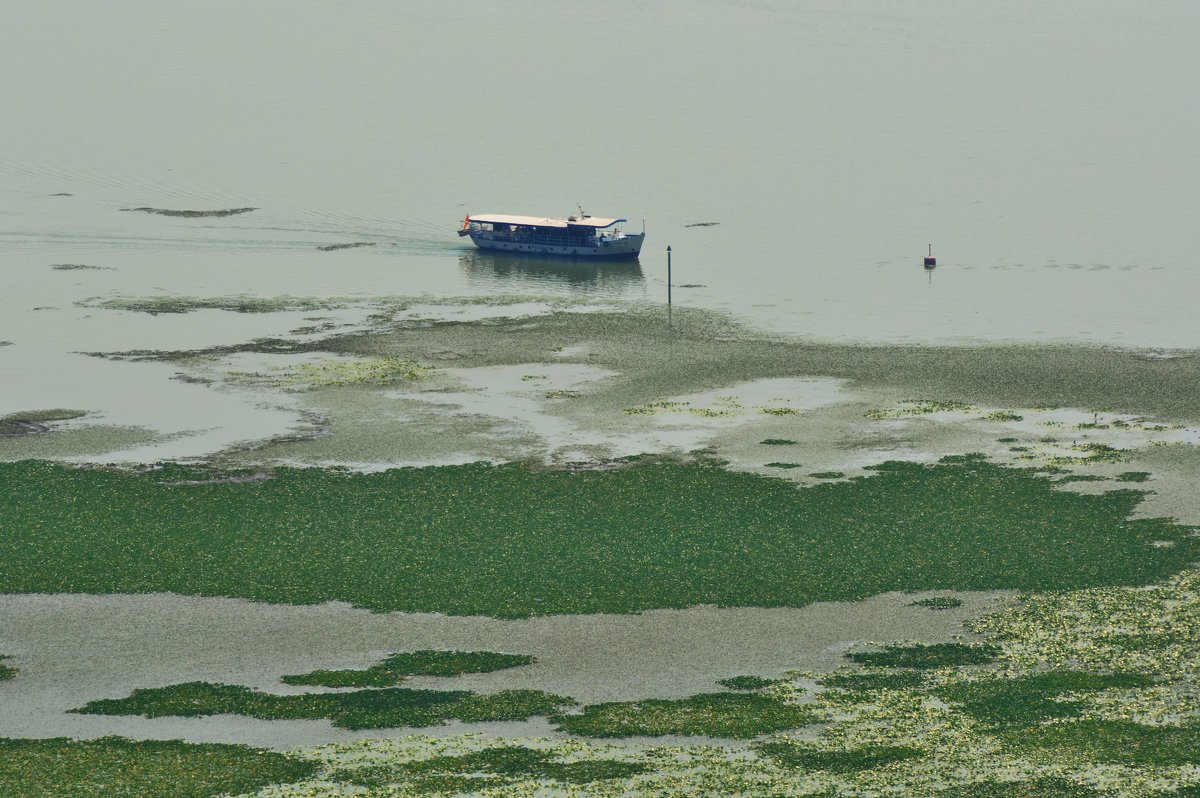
<point x="516" y="541"/>
<point x="116" y="768"/>
<point x="396" y="668"/>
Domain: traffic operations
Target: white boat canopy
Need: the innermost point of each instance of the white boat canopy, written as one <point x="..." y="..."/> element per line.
<point x="536" y="221"/>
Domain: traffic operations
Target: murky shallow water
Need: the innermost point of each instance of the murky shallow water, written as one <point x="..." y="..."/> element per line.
<point x="73" y="649"/>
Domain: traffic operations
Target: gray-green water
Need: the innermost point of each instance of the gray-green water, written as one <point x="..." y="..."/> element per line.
<point x="1046" y="151"/>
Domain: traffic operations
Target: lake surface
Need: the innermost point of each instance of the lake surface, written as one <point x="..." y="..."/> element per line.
<point x="1047" y="153"/>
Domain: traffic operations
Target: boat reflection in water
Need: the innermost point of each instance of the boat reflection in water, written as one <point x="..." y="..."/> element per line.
<point x="543" y="271"/>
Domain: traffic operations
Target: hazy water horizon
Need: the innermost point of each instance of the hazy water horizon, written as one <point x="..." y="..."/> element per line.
<point x="1046" y="152"/>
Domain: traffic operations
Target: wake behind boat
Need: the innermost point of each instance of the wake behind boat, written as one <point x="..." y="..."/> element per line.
<point x="582" y="236"/>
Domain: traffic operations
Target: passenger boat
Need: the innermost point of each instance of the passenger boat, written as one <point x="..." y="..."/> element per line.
<point x="582" y="236"/>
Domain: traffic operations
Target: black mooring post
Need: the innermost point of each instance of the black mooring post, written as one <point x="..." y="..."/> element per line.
<point x="668" y="274"/>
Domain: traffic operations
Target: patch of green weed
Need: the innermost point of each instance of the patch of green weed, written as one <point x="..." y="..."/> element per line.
<point x="362" y="709"/>
<point x="43" y="416"/>
<point x="934" y="655"/>
<point x="189" y="214"/>
<point x="1112" y="742"/>
<point x="489" y="767"/>
<point x="516" y="541"/>
<point x="1034" y="788"/>
<point x="1027" y="700"/>
<point x="746" y="682"/>
<point x="738" y="715"/>
<point x="937" y="603"/>
<point x="777" y="442"/>
<point x="1133" y="476"/>
<point x="111" y="766"/>
<point x="918" y="407"/>
<point x="395" y="668"/>
<point x="235" y="304"/>
<point x="869" y="682"/>
<point x="837" y="761"/>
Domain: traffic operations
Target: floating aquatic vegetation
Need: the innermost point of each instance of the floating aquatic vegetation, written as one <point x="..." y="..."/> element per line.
<point x="478" y="539"/>
<point x="14" y="427"/>
<point x="938" y="603"/>
<point x="1027" y="700"/>
<point x="918" y="407"/>
<point x="46" y="416"/>
<point x="835" y="760"/>
<point x="330" y="373"/>
<point x="722" y="407"/>
<point x="746" y="682"/>
<point x="34" y="422"/>
<point x="1152" y="631"/>
<point x="1133" y="476"/>
<point x="1048" y="787"/>
<point x="1093" y="453"/>
<point x="933" y="655"/>
<point x="354" y="245"/>
<point x="563" y="394"/>
<point x="112" y="766"/>
<point x="75" y="267"/>
<point x="192" y="214"/>
<point x="827" y="475"/>
<point x="652" y="408"/>
<point x="6" y="671"/>
<point x="487" y="768"/>
<point x="784" y="465"/>
<point x="235" y="304"/>
<point x="777" y="442"/>
<point x="737" y="715"/>
<point x="872" y="681"/>
<point x="385" y="707"/>
<point x="395" y="668"/>
<point x="1004" y="415"/>
<point x="1112" y="742"/>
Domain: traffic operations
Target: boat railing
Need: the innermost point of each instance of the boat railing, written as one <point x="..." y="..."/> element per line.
<point x="547" y="240"/>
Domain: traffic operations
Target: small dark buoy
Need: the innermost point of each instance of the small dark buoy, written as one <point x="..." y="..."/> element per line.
<point x="930" y="261"/>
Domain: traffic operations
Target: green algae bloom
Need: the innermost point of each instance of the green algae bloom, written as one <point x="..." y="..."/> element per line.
<point x="746" y="682"/>
<point x="935" y="655"/>
<point x="938" y="603"/>
<point x="395" y="668"/>
<point x="361" y="709"/>
<point x="737" y="715"/>
<point x="112" y="766"/>
<point x="516" y="541"/>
